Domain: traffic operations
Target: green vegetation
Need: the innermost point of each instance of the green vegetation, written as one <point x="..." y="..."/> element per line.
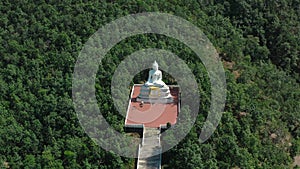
<point x="258" y="42"/>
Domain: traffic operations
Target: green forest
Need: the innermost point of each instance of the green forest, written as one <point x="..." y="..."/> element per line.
<point x="258" y="42"/>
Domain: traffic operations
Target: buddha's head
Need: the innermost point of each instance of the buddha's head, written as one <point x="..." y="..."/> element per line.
<point x="155" y="66"/>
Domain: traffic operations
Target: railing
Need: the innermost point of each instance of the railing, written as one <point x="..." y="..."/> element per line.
<point x="160" y="127"/>
<point x="138" y="157"/>
<point x="140" y="145"/>
<point x="159" y="164"/>
<point x="143" y="140"/>
<point x="129" y="101"/>
<point x="160" y="150"/>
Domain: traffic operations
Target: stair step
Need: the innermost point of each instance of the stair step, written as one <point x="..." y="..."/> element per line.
<point x="149" y="153"/>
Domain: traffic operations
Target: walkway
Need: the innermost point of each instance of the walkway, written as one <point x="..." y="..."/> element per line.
<point x="150" y="150"/>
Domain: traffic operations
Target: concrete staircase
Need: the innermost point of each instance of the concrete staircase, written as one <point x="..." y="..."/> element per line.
<point x="150" y="150"/>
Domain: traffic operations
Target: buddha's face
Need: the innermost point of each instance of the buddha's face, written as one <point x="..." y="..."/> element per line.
<point x="155" y="67"/>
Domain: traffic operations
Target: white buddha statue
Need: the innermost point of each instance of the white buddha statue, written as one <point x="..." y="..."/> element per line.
<point x="155" y="77"/>
<point x="155" y="88"/>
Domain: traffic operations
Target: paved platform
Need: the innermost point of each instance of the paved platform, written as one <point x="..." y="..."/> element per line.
<point x="152" y="115"/>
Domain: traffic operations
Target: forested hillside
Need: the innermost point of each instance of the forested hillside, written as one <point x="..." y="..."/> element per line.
<point x="258" y="42"/>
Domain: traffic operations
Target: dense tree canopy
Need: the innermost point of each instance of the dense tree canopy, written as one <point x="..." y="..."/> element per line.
<point x="258" y="42"/>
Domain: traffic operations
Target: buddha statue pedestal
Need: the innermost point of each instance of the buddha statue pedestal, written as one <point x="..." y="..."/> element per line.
<point x="153" y="94"/>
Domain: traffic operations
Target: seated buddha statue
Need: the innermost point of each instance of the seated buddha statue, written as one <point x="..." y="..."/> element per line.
<point x="155" y="88"/>
<point x="155" y="77"/>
